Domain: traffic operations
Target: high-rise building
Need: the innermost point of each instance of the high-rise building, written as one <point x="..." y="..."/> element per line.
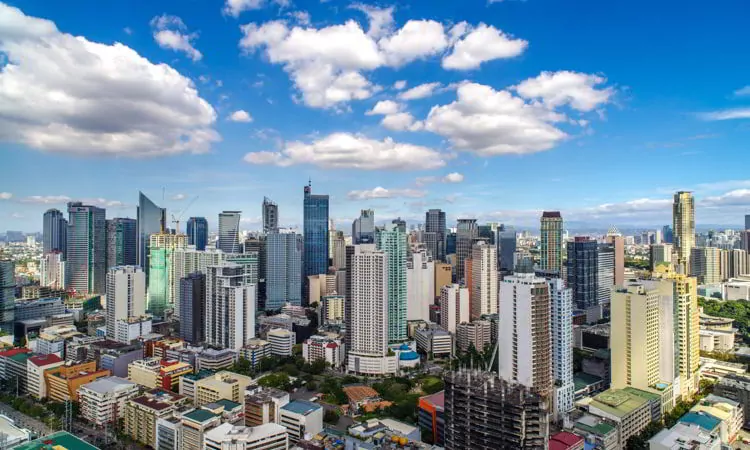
<point x="7" y="295"/>
<point x="483" y="287"/>
<point x="126" y="295"/>
<point x="737" y="263"/>
<point x="524" y="334"/>
<point x="615" y="239"/>
<point x="605" y="272"/>
<point x="338" y="256"/>
<point x="189" y="260"/>
<point x="435" y="223"/>
<point x="162" y="280"/>
<point x="747" y="221"/>
<point x="506" y="247"/>
<point x="466" y="235"/>
<point x="551" y="242"/>
<point x="283" y="269"/>
<point x="683" y="218"/>
<point x="705" y="265"/>
<point x="192" y="303"/>
<point x="52" y="270"/>
<point x="229" y="232"/>
<point x="393" y="242"/>
<point x="230" y="307"/>
<point x="122" y="242"/>
<point x="450" y="243"/>
<point x="659" y="254"/>
<point x="400" y="224"/>
<point x="582" y="265"/>
<point x="87" y="248"/>
<point x="151" y="219"/>
<point x="315" y="231"/>
<point x="367" y="311"/>
<point x="562" y="347"/>
<point x="197" y="232"/>
<point x="420" y="284"/>
<point x="270" y="216"/>
<point x="454" y="307"/>
<point x="667" y="234"/>
<point x="257" y="244"/>
<point x="363" y="228"/>
<point x="55" y="232"/>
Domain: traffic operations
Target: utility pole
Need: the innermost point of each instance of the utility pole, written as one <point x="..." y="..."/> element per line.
<point x="68" y="418"/>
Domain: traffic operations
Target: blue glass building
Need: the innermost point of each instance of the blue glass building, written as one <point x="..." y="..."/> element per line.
<point x="283" y="269"/>
<point x="151" y="220"/>
<point x="197" y="232"/>
<point x="315" y="229"/>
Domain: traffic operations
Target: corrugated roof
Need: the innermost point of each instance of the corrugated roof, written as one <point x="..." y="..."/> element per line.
<point x="301" y="407"/>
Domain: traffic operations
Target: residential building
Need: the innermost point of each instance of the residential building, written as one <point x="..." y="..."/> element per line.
<point x="683" y="224"/>
<point x="281" y="341"/>
<point x="506" y="247"/>
<point x="368" y="311"/>
<point x="319" y="286"/>
<point x="230" y="307"/>
<point x="629" y="412"/>
<point x="7" y="295"/>
<point x="301" y="419"/>
<point x="142" y="412"/>
<point x="728" y="411"/>
<point x="435" y="223"/>
<point x="477" y="333"/>
<point x="103" y="401"/>
<point x="738" y="263"/>
<point x="420" y="284"/>
<point x="86" y="248"/>
<point x="151" y="220"/>
<point x="52" y="339"/>
<point x="315" y="232"/>
<point x="483" y="294"/>
<point x="192" y="299"/>
<point x="197" y="232"/>
<point x="14" y="368"/>
<point x="122" y="242"/>
<point x="263" y="405"/>
<point x="617" y="242"/>
<point x="705" y="265"/>
<point x="392" y="241"/>
<point x="12" y="434"/>
<point x="229" y="232"/>
<point x="431" y="416"/>
<point x="35" y="367"/>
<point x="162" y="279"/>
<point x="212" y="359"/>
<point x="64" y="381"/>
<point x="255" y="350"/>
<point x="52" y="271"/>
<point x="193" y="426"/>
<point x="466" y="234"/>
<point x="338" y="256"/>
<point x="270" y="216"/>
<point x="551" y="242"/>
<point x="269" y="436"/>
<point x="329" y="349"/>
<point x="363" y="228"/>
<point x="562" y="347"/>
<point x="284" y="269"/>
<point x="443" y="276"/>
<point x="660" y="254"/>
<point x="524" y="334"/>
<point x="54" y="233"/>
<point x="735" y="387"/>
<point x="332" y="309"/>
<point x="126" y="296"/>
<point x="605" y="273"/>
<point x="582" y="272"/>
<point x="221" y="385"/>
<point x="454" y="307"/>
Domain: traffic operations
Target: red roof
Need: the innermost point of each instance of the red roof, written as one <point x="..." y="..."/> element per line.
<point x="564" y="440"/>
<point x="45" y="360"/>
<point x="14" y="352"/>
<point x="331" y="345"/>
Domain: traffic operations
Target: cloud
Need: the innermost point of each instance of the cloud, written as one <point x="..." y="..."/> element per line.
<point x="481" y="44"/>
<point x="741" y="92"/>
<point x="394" y="118"/>
<point x="421" y="91"/>
<point x="350" y="151"/>
<point x="46" y="199"/>
<point x="170" y="33"/>
<point x="240" y="116"/>
<point x="128" y="30"/>
<point x="381" y="192"/>
<point x="302" y="17"/>
<point x="726" y="114"/>
<point x="400" y="84"/>
<point x="178" y="197"/>
<point x="16" y="215"/>
<point x="236" y="7"/>
<point x="737" y="197"/>
<point x="453" y="177"/>
<point x="381" y="19"/>
<point x="5" y="195"/>
<point x="63" y="199"/>
<point x="384" y="107"/>
<point x="415" y="40"/>
<point x="61" y="93"/>
<point x="578" y="90"/>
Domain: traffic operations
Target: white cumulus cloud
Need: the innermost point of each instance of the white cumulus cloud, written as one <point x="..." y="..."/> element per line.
<point x="384" y="107"/>
<point x="236" y="7"/>
<point x="481" y="44"/>
<point x="579" y="90"/>
<point x="453" y="177"/>
<point x="5" y="195"/>
<point x="727" y="114"/>
<point x="350" y="151"/>
<point x="415" y="40"/>
<point x="421" y="91"/>
<point x="402" y="121"/>
<point x="171" y="33"/>
<point x="400" y="84"/>
<point x="240" y="116"/>
<point x="62" y="93"/>
<point x="178" y="197"/>
<point x="381" y="192"/>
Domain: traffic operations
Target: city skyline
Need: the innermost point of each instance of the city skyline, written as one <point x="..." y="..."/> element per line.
<point x="232" y="143"/>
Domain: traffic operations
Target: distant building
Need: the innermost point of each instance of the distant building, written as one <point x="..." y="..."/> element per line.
<point x="477" y="333"/>
<point x="454" y="307"/>
<point x="197" y="232"/>
<point x="54" y="233"/>
<point x="8" y="296"/>
<point x="683" y="221"/>
<point x="582" y="272"/>
<point x="705" y="265"/>
<point x="270" y="216"/>
<point x="103" y="401"/>
<point x="506" y="247"/>
<point x="230" y="307"/>
<point x="551" y="242"/>
<point x="392" y="241"/>
<point x="151" y="220"/>
<point x="229" y="232"/>
<point x="284" y="269"/>
<point x="192" y="298"/>
<point x="435" y="225"/>
<point x="483" y="286"/>
<point x="434" y="342"/>
<point x="466" y="234"/>
<point x="281" y="341"/>
<point x="122" y="242"/>
<point x="126" y="296"/>
<point x="315" y="233"/>
<point x="328" y="349"/>
<point x="420" y="284"/>
<point x="86" y="248"/>
<point x="363" y="228"/>
<point x="162" y="274"/>
<point x="562" y="347"/>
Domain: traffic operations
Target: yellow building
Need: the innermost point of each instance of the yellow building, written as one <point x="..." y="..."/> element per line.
<point x="63" y="381"/>
<point x="144" y="372"/>
<point x="223" y="385"/>
<point x="142" y="412"/>
<point x="443" y="276"/>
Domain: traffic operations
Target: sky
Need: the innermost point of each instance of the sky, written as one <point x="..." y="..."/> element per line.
<point x="493" y="110"/>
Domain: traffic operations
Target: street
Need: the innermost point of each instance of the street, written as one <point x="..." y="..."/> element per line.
<point x="24" y="421"/>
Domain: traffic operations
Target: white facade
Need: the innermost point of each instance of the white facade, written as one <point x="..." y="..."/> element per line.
<point x="322" y="347"/>
<point x="454" y="306"/>
<point x="737" y="289"/>
<point x="562" y="347"/>
<point x="680" y="435"/>
<point x="130" y="329"/>
<point x="126" y="295"/>
<point x="302" y="420"/>
<point x="230" y="307"/>
<point x="369" y="312"/>
<point x="483" y="279"/>
<point x="189" y="260"/>
<point x="420" y="285"/>
<point x="52" y="271"/>
<point x="269" y="436"/>
<point x="103" y="401"/>
<point x="282" y="341"/>
<point x="35" y="367"/>
<point x="717" y="340"/>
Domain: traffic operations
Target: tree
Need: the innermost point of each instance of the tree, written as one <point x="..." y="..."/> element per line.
<point x="331" y="416"/>
<point x="278" y="380"/>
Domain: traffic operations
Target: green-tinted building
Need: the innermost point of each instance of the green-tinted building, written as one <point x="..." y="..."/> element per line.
<point x="162" y="285"/>
<point x="392" y="241"/>
<point x="57" y="441"/>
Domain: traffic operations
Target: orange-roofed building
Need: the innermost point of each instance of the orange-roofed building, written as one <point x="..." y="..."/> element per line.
<point x="63" y="381"/>
<point x="363" y="399"/>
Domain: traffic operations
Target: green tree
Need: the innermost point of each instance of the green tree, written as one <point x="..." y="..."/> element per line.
<point x="278" y="380"/>
<point x="331" y="416"/>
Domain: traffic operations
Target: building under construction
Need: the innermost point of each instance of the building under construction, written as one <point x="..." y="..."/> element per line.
<point x="484" y="412"/>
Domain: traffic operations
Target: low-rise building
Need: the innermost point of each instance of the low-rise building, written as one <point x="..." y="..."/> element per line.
<point x="735" y="387"/>
<point x="597" y="432"/>
<point x="60" y="440"/>
<point x="684" y="436"/>
<point x="363" y="399"/>
<point x="188" y="381"/>
<point x="103" y="401"/>
<point x="255" y="350"/>
<point x="170" y="373"/>
<point x="116" y="356"/>
<point x="728" y="411"/>
<point x="53" y="339"/>
<point x="11" y="434"/>
<point x="195" y="424"/>
<point x="565" y="441"/>
<point x="716" y="341"/>
<point x="332" y="309"/>
<point x="154" y="372"/>
<point x="281" y="340"/>
<point x="269" y="436"/>
<point x="222" y="385"/>
<point x="302" y="419"/>
<point x="327" y="348"/>
<point x="630" y="413"/>
<point x="13" y="367"/>
<point x="129" y="329"/>
<point x="263" y="405"/>
<point x="212" y="359"/>
<point x="142" y="412"/>
<point x="35" y="367"/>
<point x="477" y="333"/>
<point x="64" y="381"/>
<point x="434" y="342"/>
<point x="431" y="416"/>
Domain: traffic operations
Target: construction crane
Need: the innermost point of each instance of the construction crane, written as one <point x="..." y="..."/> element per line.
<point x="176" y="220"/>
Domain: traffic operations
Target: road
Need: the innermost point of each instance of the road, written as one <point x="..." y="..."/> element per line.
<point x="24" y="421"/>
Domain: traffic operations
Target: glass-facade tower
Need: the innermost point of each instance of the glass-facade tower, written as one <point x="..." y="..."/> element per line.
<point x="392" y="241"/>
<point x="229" y="232"/>
<point x="7" y="295"/>
<point x="55" y="232"/>
<point x="151" y="220"/>
<point x="283" y="269"/>
<point x="315" y="229"/>
<point x="197" y="232"/>
<point x="87" y="248"/>
<point x="122" y="238"/>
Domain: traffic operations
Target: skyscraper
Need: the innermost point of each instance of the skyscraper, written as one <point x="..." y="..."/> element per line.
<point x="52" y="271"/>
<point x="524" y="334"/>
<point x="583" y="254"/>
<point x="7" y="295"/>
<point x="465" y="235"/>
<point x="192" y="303"/>
<point x="197" y="232"/>
<point x="434" y="222"/>
<point x="230" y="307"/>
<point x="126" y="295"/>
<point x="552" y="241"/>
<point x="283" y="269"/>
<point x="363" y="228"/>
<point x="368" y="311"/>
<point x="420" y="284"/>
<point x="400" y="223"/>
<point x="605" y="273"/>
<point x="506" y="247"/>
<point x="562" y="347"/>
<point x="270" y="215"/>
<point x="667" y="234"/>
<point x="315" y="230"/>
<point x="454" y="307"/>
<point x="55" y="232"/>
<point x="705" y="265"/>
<point x="392" y="241"/>
<point x="483" y="280"/>
<point x="151" y="219"/>
<point x="122" y="242"/>
<point x="747" y="221"/>
<point x="163" y="282"/>
<point x="229" y="232"/>
<point x="683" y="218"/>
<point x="338" y="256"/>
<point x="87" y="248"/>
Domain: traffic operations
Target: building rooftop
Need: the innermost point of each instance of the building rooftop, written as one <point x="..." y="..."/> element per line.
<point x="582" y="379"/>
<point x="702" y="419"/>
<point x="564" y="441"/>
<point x="265" y="394"/>
<point x="358" y="392"/>
<point x="200" y="415"/>
<point x="10" y="430"/>
<point x="618" y="402"/>
<point x="228" y="432"/>
<point x="436" y="399"/>
<point x="302" y="407"/>
<point x="109" y="384"/>
<point x="14" y="351"/>
<point x="681" y="434"/>
<point x="203" y="373"/>
<point x="594" y="425"/>
<point x="643" y="394"/>
<point x="227" y="404"/>
<point x="57" y="441"/>
<point x="45" y="360"/>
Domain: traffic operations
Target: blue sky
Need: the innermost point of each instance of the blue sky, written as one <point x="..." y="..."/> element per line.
<point x="599" y="110"/>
